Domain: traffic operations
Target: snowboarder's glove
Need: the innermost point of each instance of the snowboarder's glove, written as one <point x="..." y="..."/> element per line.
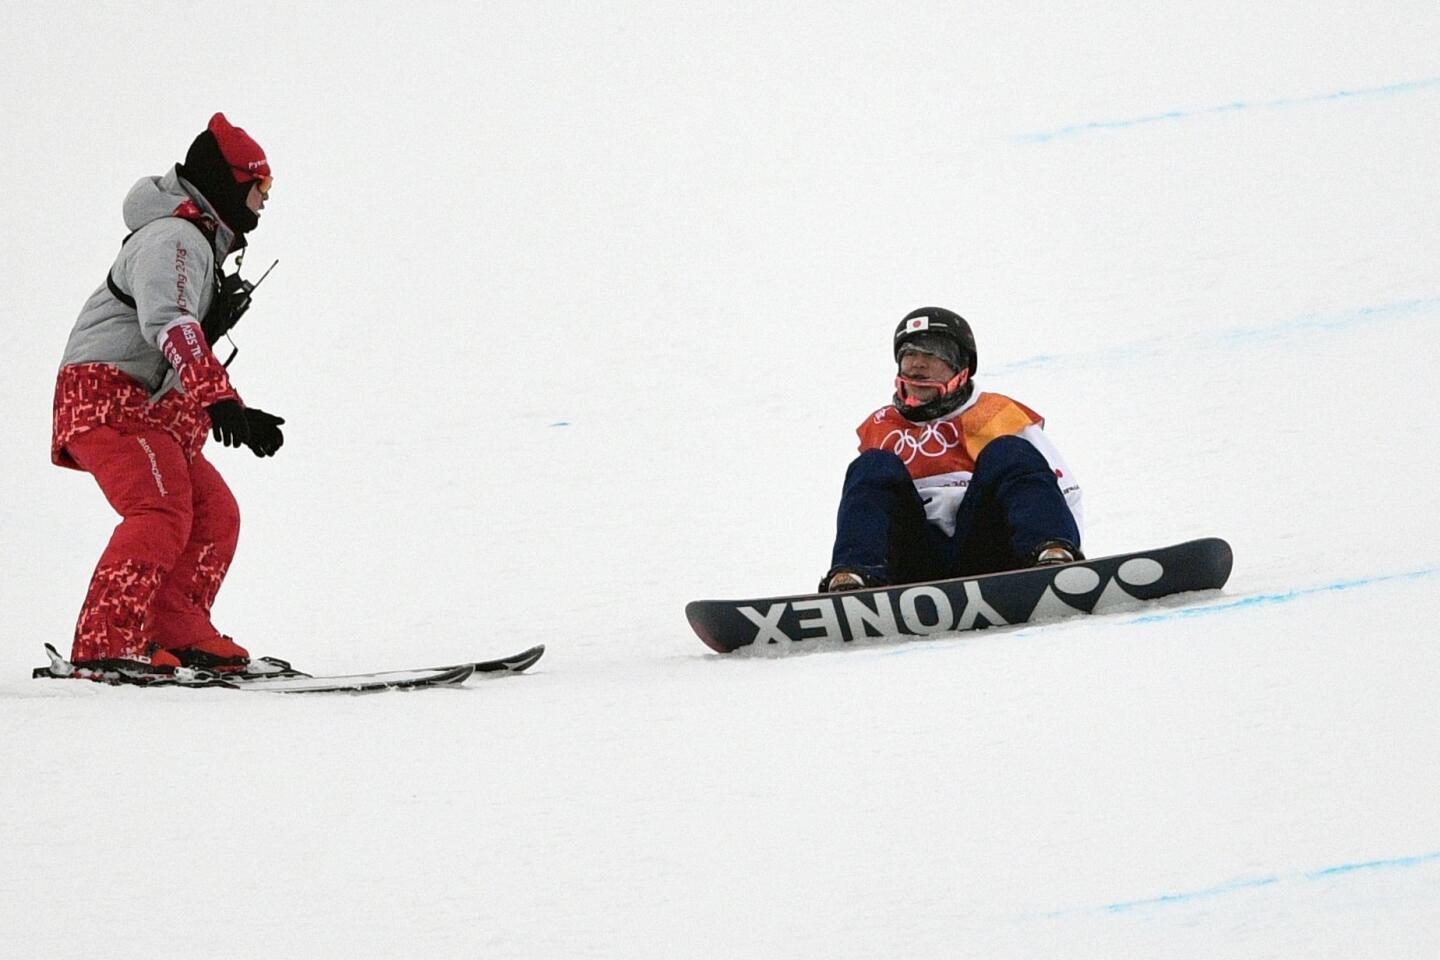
<point x="265" y="434"/>
<point x="229" y="423"/>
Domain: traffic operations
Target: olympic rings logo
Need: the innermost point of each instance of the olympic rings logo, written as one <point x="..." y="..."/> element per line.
<point x="935" y="440"/>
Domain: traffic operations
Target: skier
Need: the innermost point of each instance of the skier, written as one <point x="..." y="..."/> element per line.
<point x="138" y="390"/>
<point x="950" y="482"/>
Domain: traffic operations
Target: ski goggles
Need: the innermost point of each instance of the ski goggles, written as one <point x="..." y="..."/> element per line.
<point x="242" y="175"/>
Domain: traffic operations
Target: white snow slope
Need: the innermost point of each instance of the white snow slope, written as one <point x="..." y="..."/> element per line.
<point x="577" y="308"/>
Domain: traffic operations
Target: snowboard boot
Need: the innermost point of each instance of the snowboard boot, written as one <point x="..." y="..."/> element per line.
<point x="1054" y="552"/>
<point x="842" y="579"/>
<point x="220" y="654"/>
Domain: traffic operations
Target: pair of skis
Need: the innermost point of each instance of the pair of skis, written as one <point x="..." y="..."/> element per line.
<point x="270" y="675"/>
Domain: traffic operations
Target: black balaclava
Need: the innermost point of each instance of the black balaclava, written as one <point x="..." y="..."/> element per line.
<point x="224" y="163"/>
<point x="207" y="169"/>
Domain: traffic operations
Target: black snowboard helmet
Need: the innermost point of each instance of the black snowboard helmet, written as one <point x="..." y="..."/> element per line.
<point x="944" y="334"/>
<point x="942" y="324"/>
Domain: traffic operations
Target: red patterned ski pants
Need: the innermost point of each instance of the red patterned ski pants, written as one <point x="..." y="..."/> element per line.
<point x="165" y="561"/>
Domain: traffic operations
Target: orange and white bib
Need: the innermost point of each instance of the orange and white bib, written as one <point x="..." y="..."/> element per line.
<point x="940" y="454"/>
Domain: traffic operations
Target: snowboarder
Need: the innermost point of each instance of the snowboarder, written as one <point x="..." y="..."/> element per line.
<point x="138" y="390"/>
<point x="950" y="482"/>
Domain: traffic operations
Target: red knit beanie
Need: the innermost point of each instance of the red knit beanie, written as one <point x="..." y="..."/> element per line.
<point x="246" y="159"/>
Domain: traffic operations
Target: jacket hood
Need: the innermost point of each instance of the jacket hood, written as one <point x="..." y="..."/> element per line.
<point x="154" y="198"/>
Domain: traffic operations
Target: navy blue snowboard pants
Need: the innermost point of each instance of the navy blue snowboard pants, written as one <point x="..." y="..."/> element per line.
<point x="1012" y="505"/>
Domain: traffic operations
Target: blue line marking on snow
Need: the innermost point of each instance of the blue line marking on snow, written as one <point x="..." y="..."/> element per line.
<point x="1039" y="360"/>
<point x="1318" y="323"/>
<point x="1251" y="883"/>
<point x="1387" y="90"/>
<point x="1265" y="599"/>
<point x="1234" y="336"/>
<point x="1391" y="864"/>
<point x="1189" y="895"/>
<point x="561" y="423"/>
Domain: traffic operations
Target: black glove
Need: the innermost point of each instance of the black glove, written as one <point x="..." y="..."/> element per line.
<point x="265" y="435"/>
<point x="229" y="423"/>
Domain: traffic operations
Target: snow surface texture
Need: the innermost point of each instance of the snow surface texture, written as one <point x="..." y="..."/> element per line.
<point x="577" y="307"/>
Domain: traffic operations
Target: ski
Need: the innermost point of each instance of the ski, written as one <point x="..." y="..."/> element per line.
<point x="947" y="607"/>
<point x="421" y="678"/>
<point x="515" y="663"/>
<point x="272" y="675"/>
<point x="266" y="670"/>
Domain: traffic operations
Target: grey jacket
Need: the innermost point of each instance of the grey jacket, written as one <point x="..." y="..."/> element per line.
<point x="167" y="267"/>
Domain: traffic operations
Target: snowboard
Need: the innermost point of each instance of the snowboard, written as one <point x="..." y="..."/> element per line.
<point x="940" y="607"/>
<point x="269" y="675"/>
